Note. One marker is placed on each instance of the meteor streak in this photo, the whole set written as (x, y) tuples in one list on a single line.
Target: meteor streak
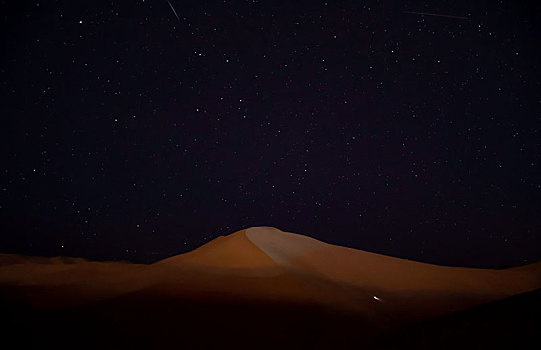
[(434, 14), (172, 8)]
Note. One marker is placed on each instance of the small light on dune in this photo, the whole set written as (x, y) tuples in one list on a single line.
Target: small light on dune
[(376, 298)]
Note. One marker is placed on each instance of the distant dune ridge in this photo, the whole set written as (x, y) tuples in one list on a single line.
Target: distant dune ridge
[(258, 266)]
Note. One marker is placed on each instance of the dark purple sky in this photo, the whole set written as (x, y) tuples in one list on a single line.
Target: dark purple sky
[(130, 134)]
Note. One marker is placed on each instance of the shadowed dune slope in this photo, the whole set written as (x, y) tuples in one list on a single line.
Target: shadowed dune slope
[(358, 267)]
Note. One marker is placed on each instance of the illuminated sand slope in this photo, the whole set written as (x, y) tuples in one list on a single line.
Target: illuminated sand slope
[(256, 276), (352, 279)]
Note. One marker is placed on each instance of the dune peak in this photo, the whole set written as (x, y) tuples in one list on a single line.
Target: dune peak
[(280, 246), (257, 229)]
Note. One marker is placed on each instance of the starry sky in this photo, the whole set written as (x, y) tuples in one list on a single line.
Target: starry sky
[(136, 130)]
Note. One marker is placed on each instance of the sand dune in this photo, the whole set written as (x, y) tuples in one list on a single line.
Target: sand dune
[(263, 252), (234, 251), (263, 265), (361, 268)]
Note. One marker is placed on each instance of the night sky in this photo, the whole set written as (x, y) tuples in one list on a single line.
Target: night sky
[(129, 133)]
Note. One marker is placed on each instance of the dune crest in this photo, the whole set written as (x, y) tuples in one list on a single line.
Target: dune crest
[(283, 247)]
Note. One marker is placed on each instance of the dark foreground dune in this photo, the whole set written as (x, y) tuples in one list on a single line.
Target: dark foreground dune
[(511, 323), (264, 288)]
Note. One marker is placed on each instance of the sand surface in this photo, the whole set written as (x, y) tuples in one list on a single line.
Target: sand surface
[(266, 266)]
